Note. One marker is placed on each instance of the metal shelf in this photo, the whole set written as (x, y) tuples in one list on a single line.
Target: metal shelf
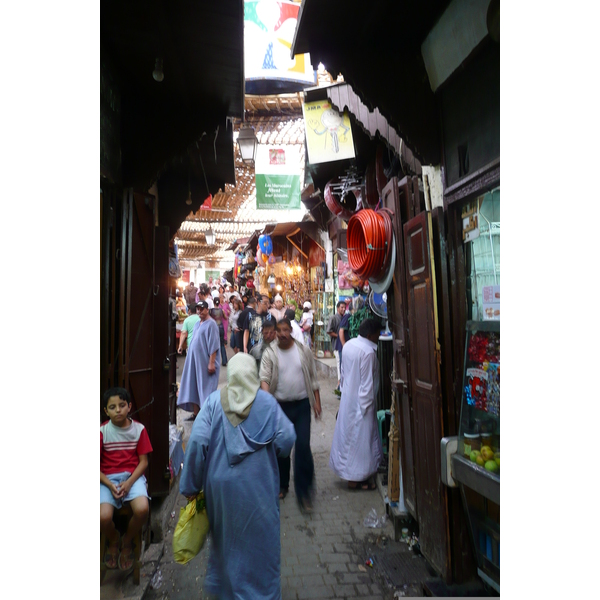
[(483, 482)]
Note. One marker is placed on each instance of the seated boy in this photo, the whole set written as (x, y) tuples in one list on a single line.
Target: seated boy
[(124, 448)]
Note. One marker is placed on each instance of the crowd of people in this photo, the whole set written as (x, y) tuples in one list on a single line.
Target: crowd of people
[(245, 432)]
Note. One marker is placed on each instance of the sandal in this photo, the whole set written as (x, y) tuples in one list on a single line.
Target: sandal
[(354, 485), (111, 559), (126, 558), (306, 505), (283, 493), (368, 484)]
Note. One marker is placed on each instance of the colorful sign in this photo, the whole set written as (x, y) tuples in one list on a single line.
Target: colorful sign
[(491, 302), (269, 28), (328, 134), (343, 268), (277, 171)]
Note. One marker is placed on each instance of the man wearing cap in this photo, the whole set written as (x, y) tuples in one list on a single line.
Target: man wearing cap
[(277, 311), (187, 328), (332, 329), (306, 322), (201, 369)]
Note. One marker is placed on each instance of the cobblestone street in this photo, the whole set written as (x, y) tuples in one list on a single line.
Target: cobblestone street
[(323, 554)]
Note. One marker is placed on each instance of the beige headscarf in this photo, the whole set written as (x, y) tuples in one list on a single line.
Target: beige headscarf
[(242, 387)]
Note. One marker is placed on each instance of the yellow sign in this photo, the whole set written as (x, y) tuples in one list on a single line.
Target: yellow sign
[(328, 134)]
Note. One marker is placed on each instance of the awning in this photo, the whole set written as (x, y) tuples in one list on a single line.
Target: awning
[(377, 48), (309, 228), (236, 243)]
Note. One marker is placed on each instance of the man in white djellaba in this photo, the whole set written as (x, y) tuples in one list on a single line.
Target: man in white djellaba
[(356, 450)]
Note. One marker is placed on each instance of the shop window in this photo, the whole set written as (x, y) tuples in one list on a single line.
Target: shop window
[(483, 260)]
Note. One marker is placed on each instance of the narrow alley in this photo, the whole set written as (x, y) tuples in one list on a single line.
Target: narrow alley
[(323, 554)]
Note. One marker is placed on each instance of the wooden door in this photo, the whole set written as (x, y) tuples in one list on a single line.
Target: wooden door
[(392, 199), (162, 362), (426, 394), (136, 328)]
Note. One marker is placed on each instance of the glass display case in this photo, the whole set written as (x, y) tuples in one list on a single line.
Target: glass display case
[(476, 463), (479, 433), (324, 308)]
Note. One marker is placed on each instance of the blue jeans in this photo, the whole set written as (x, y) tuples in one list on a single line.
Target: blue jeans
[(298, 412), (223, 355)]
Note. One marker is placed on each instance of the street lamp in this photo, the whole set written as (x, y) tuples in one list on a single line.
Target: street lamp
[(247, 143), (211, 238)]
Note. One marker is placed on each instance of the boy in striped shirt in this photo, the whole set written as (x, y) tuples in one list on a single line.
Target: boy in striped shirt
[(124, 448)]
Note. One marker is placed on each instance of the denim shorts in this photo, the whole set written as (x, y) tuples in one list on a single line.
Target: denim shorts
[(139, 488)]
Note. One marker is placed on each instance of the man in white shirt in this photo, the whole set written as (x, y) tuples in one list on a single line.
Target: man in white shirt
[(356, 450), (288, 371)]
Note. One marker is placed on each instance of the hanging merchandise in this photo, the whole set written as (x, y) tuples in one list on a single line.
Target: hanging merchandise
[(370, 244), (174, 268), (260, 258), (295, 282), (342, 200), (382, 286), (361, 312), (354, 280), (265, 244)]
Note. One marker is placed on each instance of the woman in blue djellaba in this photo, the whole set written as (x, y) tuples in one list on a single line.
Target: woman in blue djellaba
[(232, 455)]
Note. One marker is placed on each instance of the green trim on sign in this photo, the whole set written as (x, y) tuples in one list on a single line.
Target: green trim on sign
[(278, 192)]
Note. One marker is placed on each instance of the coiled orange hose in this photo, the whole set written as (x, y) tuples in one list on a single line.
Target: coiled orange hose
[(369, 243)]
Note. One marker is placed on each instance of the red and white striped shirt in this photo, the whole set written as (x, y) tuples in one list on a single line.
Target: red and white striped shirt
[(121, 447)]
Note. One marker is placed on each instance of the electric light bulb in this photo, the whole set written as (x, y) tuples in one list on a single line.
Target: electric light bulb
[(158, 70)]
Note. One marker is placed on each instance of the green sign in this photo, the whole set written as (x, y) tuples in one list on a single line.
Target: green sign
[(215, 276), (277, 191)]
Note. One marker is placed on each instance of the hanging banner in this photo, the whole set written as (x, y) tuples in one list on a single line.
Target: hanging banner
[(269, 28), (277, 170), (328, 134)]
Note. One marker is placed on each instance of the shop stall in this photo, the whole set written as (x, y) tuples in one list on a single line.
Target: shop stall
[(472, 459)]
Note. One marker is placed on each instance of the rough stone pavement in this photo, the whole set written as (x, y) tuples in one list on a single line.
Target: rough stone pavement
[(323, 554)]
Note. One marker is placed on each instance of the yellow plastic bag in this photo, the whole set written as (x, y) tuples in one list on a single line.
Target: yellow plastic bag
[(191, 530)]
